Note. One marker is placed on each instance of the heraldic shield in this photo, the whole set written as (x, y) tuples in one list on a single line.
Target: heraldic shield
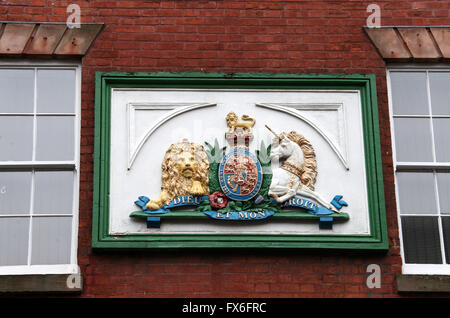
[(276, 182), (240, 175)]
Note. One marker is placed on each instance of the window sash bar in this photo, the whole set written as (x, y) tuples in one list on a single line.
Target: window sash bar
[(405, 166), (421, 116), (438, 205), (38, 165), (37, 215), (435, 214), (41, 114)]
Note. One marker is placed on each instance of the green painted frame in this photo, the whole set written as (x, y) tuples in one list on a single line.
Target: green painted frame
[(377, 240)]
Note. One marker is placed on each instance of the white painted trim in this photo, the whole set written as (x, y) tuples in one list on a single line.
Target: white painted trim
[(74, 165), (430, 111), (394, 160), (39, 269), (131, 89), (34, 215), (421, 116), (77, 154), (291, 110), (418, 269), (421, 165), (425, 269), (435, 214), (436, 190), (177, 109), (30, 218), (412, 67), (41, 114), (31, 63), (39, 164)]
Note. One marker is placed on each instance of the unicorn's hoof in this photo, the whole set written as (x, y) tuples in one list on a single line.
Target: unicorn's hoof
[(337, 202), (332, 208), (274, 196)]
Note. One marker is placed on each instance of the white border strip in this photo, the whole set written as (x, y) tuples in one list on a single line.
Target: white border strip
[(425, 269), (39, 269)]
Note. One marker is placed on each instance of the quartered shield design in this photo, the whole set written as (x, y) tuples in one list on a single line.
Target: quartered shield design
[(240, 175)]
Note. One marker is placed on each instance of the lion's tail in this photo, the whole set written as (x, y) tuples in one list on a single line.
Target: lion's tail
[(247, 117)]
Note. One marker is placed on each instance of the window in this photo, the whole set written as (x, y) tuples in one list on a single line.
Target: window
[(420, 121), (39, 160)]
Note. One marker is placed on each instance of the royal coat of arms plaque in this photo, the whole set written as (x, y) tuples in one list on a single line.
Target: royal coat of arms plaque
[(242, 160), (239, 185)]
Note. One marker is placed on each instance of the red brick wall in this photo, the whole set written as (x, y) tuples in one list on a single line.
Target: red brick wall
[(232, 36)]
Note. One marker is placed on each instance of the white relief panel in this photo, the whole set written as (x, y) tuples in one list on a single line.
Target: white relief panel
[(145, 122), (326, 119), (145, 118)]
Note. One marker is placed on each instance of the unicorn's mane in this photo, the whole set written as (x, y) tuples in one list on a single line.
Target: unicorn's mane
[(309, 174)]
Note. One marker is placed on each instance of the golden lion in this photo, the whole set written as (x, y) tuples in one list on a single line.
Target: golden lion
[(185, 170), (233, 122)]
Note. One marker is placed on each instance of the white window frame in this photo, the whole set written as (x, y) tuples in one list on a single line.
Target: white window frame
[(418, 269), (73, 267)]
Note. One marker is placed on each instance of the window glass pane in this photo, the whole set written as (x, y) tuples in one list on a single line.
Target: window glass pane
[(53, 192), (16, 91), (51, 240), (409, 93), (421, 241), (440, 92), (443, 181), (446, 229), (16, 138), (413, 139), (56, 91), (55, 138), (416, 192), (441, 128), (15, 192), (14, 241)]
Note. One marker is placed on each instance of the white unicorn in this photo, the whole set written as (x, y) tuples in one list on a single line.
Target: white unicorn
[(297, 168)]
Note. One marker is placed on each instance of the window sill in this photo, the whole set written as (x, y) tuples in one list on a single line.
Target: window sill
[(423, 283), (52, 283)]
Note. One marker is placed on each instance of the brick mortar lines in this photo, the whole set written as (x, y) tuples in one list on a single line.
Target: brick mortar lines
[(342, 47)]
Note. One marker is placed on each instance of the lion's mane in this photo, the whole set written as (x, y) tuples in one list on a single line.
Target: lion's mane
[(232, 119), (172, 181)]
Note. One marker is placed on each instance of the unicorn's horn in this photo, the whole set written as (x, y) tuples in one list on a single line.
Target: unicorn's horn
[(270, 129)]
